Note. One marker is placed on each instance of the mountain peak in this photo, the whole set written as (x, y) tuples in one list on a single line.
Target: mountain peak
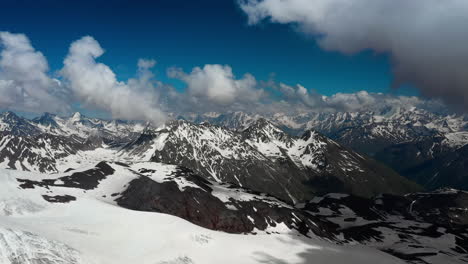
[(264, 130), (76, 117), (263, 123), (16, 124), (9, 115), (47, 119)]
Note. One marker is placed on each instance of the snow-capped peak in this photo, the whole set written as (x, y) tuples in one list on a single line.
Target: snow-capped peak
[(76, 117)]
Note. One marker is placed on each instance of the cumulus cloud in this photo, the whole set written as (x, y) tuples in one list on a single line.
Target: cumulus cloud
[(298, 94), (213, 87), (24, 83), (426, 39), (95, 84), (217, 84)]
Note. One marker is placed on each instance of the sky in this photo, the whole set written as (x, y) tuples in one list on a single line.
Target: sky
[(293, 50), (191, 33)]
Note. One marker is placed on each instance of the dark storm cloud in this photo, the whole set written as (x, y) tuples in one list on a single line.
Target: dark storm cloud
[(426, 39)]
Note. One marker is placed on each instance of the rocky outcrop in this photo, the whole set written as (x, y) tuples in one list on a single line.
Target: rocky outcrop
[(201, 204)]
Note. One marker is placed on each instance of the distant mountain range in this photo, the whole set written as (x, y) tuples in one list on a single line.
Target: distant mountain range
[(262, 157), (37, 145), (413, 142), (408, 140)]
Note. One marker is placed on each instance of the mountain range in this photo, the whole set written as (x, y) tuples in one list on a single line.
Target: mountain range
[(81, 190), (261, 157), (409, 140)]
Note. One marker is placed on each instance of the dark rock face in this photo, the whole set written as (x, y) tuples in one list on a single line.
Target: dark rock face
[(429, 163), (415, 227), (445, 207), (406, 156), (200, 206), (361, 138), (450, 170), (47, 119), (369, 179), (59, 198), (86, 180)]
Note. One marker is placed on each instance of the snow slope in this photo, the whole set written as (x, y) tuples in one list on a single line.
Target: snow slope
[(93, 229)]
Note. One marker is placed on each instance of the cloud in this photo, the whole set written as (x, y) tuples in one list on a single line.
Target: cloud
[(146, 63), (26, 86), (217, 84), (298, 94), (95, 85), (24, 83), (214, 88), (426, 39), (296, 99)]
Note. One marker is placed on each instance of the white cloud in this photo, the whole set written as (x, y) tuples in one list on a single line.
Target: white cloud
[(217, 84), (298, 94), (426, 39), (146, 63), (24, 83), (26, 86), (270, 97), (298, 99), (95, 84)]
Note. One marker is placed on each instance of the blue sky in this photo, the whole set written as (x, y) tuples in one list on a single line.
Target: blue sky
[(192, 33)]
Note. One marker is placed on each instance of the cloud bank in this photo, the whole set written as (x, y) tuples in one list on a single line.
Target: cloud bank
[(426, 39), (26, 85), (297, 99)]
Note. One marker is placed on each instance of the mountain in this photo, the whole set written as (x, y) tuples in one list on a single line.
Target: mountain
[(107, 191), (112, 132), (443, 170), (12, 124), (84, 217), (77, 217), (405, 139), (25, 146), (433, 162), (266, 159), (50, 143), (262, 157), (418, 227), (234, 120), (40, 144), (364, 131), (370, 132)]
